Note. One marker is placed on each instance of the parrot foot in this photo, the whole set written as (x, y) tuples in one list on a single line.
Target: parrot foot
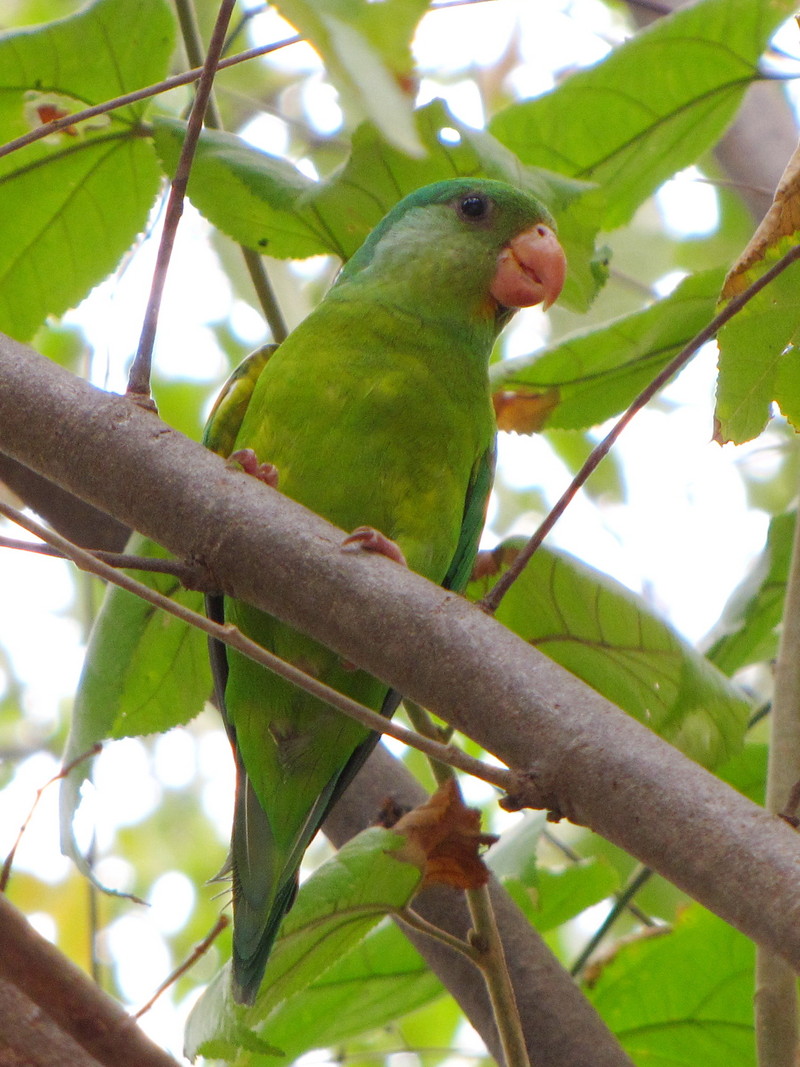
[(248, 461), (372, 540)]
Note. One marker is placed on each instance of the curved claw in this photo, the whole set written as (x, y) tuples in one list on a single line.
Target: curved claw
[(372, 540), (248, 461)]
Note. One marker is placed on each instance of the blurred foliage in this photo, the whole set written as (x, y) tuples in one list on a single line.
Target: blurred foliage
[(341, 136)]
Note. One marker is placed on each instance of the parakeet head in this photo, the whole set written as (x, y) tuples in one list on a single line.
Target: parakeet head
[(478, 244)]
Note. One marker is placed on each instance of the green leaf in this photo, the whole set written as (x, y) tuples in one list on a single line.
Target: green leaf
[(367, 53), (376, 983), (145, 671), (580, 382), (747, 772), (549, 897), (652, 107), (561, 895), (607, 636), (335, 910), (514, 855), (682, 998), (748, 630), (71, 208), (754, 368), (266, 204), (183, 403)]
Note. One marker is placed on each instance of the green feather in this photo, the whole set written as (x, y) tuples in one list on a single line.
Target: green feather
[(376, 411)]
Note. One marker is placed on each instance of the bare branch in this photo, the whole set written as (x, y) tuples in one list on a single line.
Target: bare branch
[(139, 377)]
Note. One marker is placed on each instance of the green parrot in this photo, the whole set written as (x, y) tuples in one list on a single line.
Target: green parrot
[(376, 414)]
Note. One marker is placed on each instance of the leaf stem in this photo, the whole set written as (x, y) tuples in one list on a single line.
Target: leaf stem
[(424, 725), (266, 295), (417, 922), (492, 962), (487, 946)]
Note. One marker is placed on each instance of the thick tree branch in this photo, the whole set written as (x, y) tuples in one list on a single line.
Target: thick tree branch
[(586, 759), (30, 1038), (69, 1000), (72, 517)]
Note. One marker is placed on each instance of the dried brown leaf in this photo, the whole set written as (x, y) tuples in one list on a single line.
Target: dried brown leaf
[(525, 410), (443, 838), (780, 222)]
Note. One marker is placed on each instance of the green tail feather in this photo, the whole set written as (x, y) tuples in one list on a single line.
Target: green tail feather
[(258, 907)]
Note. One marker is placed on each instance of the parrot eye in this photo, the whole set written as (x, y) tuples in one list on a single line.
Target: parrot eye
[(473, 207)]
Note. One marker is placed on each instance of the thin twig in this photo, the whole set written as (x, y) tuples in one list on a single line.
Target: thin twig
[(174, 82), (500, 777), (190, 575), (623, 900), (5, 871), (139, 378), (193, 42), (491, 601), (199, 950)]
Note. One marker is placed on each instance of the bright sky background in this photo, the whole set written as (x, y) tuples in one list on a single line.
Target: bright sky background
[(684, 536)]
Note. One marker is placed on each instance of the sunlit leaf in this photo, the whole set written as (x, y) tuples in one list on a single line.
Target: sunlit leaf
[(747, 771), (682, 998), (585, 379), (367, 54), (652, 107), (548, 896), (561, 895), (514, 855), (756, 364), (71, 208), (376, 983), (780, 222), (748, 630), (266, 204), (336, 909), (145, 671), (607, 636)]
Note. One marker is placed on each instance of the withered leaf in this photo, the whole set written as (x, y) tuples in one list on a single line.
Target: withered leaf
[(524, 410), (443, 837), (782, 221)]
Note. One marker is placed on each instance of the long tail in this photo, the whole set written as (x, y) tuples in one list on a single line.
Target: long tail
[(259, 905), (264, 875)]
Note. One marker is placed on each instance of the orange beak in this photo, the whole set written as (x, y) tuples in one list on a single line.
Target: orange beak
[(530, 270)]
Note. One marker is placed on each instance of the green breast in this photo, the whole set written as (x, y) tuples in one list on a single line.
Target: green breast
[(383, 425)]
